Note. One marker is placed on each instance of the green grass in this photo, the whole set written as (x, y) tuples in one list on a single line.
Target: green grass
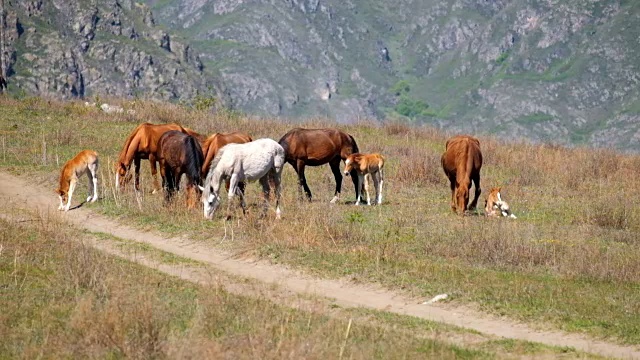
[(569, 261)]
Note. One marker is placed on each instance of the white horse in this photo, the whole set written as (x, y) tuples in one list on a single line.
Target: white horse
[(261, 159)]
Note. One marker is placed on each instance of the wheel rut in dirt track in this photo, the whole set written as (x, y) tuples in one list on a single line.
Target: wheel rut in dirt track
[(345, 294)]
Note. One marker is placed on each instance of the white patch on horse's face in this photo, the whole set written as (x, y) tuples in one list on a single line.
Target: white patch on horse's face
[(499, 197), (211, 203), (347, 166)]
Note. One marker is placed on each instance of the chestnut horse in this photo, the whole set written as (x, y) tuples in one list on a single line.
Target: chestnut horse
[(180, 153), (142, 144), (461, 162), (315, 147), (215, 142)]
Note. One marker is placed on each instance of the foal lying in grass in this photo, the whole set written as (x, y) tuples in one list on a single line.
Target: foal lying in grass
[(495, 206), (366, 166)]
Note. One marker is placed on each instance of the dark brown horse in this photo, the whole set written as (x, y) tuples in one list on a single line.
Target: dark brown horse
[(461, 162), (141, 144), (179, 153), (315, 147)]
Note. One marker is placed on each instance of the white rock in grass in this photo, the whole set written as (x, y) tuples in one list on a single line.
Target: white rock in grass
[(436, 298)]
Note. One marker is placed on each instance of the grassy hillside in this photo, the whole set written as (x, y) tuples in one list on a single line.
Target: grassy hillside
[(571, 260)]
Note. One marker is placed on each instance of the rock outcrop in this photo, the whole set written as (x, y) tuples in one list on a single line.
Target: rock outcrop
[(75, 49)]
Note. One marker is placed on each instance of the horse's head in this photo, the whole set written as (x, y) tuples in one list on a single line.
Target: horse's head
[(210, 199), (350, 163), (122, 177), (62, 195), (462, 198)]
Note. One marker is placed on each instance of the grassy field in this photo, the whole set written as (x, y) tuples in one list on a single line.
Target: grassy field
[(62, 299), (571, 260)]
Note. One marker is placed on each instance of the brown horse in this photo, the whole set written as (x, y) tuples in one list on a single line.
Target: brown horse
[(201, 138), (461, 162), (141, 144), (315, 147), (180, 153), (215, 142)]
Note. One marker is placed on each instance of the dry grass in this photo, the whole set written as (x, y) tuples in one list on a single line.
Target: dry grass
[(62, 299), (572, 258)]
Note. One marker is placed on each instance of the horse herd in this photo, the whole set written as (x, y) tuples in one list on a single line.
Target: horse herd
[(236, 159)]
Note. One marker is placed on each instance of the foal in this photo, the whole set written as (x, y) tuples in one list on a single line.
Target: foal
[(86, 162), (366, 166), (495, 206)]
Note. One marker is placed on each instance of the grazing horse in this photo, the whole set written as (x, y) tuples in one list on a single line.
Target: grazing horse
[(315, 147), (142, 143), (495, 206), (367, 166), (461, 162), (179, 153), (86, 162), (262, 159), (215, 142)]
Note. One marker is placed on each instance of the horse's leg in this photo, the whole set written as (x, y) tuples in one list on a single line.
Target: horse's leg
[(190, 189), (302, 180), (266, 189), (233, 184), (136, 169), (277, 181), (358, 184), (72, 187), (452, 183), (335, 168), (241, 186), (476, 183), (379, 182), (168, 183), (154, 174), (93, 182)]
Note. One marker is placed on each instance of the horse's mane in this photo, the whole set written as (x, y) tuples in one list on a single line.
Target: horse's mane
[(355, 145), (127, 143), (194, 159), (215, 161)]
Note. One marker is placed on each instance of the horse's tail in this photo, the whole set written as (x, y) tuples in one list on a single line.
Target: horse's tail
[(195, 159), (354, 145), (284, 142)]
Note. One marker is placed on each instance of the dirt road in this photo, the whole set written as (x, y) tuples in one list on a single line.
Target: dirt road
[(343, 293)]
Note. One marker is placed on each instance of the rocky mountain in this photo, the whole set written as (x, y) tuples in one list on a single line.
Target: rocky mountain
[(86, 48), (562, 71), (565, 71)]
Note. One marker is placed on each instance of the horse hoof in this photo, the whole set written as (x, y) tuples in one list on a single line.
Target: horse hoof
[(334, 200)]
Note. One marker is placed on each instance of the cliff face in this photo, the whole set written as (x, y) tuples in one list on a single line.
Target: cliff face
[(85, 48), (549, 70)]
